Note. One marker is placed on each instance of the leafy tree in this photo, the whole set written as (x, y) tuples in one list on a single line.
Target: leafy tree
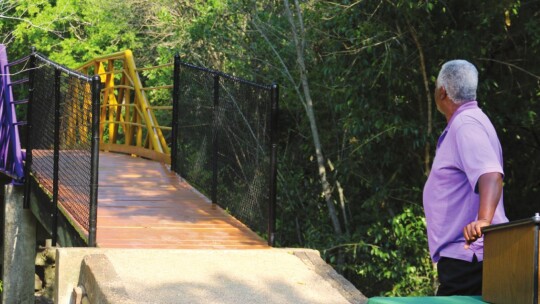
[(68, 31)]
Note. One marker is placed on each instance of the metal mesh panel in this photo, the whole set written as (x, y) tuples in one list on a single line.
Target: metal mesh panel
[(228, 122), (195, 128), (74, 130), (42, 117), (74, 175), (244, 151)]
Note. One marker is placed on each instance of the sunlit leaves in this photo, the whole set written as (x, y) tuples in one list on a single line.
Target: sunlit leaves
[(70, 31)]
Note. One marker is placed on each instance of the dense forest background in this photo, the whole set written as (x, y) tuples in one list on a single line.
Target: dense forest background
[(358, 125)]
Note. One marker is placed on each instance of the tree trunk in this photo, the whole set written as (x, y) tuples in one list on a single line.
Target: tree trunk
[(427, 150), (299, 42)]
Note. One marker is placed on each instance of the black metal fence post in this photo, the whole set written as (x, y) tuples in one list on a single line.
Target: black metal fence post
[(96, 90), (56, 155), (273, 166), (28, 159), (174, 131), (215, 134)]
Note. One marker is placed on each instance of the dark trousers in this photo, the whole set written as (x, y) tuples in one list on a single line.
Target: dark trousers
[(458, 277)]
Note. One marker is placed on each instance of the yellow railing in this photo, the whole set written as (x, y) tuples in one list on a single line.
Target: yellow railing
[(128, 123)]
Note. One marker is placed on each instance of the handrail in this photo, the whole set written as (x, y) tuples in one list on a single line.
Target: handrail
[(126, 113), (11, 156)]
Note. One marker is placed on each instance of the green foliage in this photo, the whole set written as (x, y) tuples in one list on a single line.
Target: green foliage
[(394, 255), (365, 69), (69, 31)]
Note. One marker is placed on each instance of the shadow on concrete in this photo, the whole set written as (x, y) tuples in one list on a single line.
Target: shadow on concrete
[(226, 289)]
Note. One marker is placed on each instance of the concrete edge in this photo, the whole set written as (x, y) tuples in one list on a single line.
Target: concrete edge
[(68, 266), (68, 271), (312, 259), (101, 282)]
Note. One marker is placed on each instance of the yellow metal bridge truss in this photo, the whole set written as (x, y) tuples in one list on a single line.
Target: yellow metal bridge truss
[(128, 121)]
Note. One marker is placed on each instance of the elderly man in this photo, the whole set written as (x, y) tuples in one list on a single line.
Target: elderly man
[(463, 192)]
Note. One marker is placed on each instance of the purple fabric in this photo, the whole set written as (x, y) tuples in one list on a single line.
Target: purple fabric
[(467, 148)]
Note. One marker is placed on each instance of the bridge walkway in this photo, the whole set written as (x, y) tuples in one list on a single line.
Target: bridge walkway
[(155, 234), (142, 204)]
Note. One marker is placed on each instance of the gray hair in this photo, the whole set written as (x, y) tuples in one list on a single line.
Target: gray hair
[(460, 80)]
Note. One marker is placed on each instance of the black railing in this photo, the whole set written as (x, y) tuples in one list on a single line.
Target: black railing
[(62, 146), (224, 142)]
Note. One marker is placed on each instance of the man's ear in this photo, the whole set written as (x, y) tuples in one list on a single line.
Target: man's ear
[(442, 93)]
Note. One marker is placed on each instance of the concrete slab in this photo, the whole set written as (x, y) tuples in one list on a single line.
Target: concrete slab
[(210, 276)]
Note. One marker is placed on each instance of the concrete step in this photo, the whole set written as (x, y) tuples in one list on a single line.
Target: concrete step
[(199, 276)]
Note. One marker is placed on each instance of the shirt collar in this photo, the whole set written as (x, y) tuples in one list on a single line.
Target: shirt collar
[(466, 106)]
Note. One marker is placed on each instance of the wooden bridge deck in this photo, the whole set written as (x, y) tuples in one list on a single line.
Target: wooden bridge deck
[(141, 204)]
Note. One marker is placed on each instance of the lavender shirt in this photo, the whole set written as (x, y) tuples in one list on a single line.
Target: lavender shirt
[(468, 148)]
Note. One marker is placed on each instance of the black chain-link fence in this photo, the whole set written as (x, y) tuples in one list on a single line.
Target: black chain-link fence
[(62, 148), (223, 142)]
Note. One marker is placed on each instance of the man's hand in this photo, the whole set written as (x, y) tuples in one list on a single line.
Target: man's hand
[(490, 190), (473, 231)]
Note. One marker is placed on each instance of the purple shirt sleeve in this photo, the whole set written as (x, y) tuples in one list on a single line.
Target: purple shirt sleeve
[(476, 155)]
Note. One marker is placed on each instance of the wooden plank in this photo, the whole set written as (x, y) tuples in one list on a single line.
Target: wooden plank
[(508, 275), (137, 151), (207, 246), (141, 204)]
